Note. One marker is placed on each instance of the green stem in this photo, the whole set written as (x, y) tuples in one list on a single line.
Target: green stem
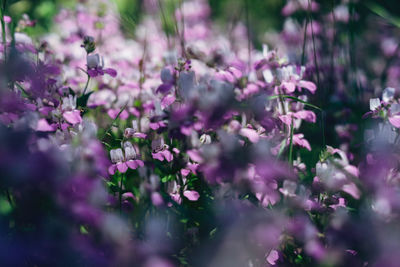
[(120, 193), (87, 85), (248, 34), (165, 24), (3, 29), (291, 144), (22, 90), (303, 53), (116, 118)]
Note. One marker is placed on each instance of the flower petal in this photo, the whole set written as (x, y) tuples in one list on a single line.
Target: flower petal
[(111, 72), (111, 169), (92, 73), (44, 126), (73, 117), (273, 256), (158, 156), (352, 190), (122, 167), (395, 121), (132, 164), (185, 172), (139, 163), (251, 134), (310, 86), (164, 88), (168, 155), (140, 135), (191, 195), (289, 87), (194, 155), (306, 115)]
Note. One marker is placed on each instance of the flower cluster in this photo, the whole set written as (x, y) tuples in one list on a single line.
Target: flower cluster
[(201, 143)]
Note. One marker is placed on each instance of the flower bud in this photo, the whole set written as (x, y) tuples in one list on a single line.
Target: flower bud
[(93, 61), (129, 132), (205, 139), (89, 44)]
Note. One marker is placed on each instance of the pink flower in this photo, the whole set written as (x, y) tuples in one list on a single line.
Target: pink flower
[(113, 113), (272, 257), (69, 111), (191, 195), (251, 134), (292, 77), (306, 115), (73, 117), (44, 126), (298, 139), (160, 150), (122, 162)]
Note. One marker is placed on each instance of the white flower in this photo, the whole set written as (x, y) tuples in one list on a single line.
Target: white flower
[(158, 145), (130, 152), (268, 77), (374, 103), (289, 188), (382, 207), (205, 139), (22, 38), (69, 103), (388, 94), (116, 155)]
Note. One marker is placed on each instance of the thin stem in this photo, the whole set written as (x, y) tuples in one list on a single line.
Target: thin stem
[(87, 84), (178, 33), (112, 124), (313, 41), (303, 53), (248, 34), (396, 139), (3, 29), (332, 74), (9, 198), (164, 22), (323, 129), (183, 28), (387, 66), (120, 193), (22, 89), (291, 144), (142, 62)]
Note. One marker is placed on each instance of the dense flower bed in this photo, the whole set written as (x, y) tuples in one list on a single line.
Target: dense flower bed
[(191, 149)]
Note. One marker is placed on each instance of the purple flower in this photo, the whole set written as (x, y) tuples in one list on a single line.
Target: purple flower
[(95, 66)]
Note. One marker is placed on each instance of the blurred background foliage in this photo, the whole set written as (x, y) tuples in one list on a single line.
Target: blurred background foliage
[(263, 15), (42, 11)]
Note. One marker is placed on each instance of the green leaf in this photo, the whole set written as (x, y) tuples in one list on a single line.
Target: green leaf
[(382, 12), (213, 231), (83, 230), (296, 99), (5, 206), (167, 178), (82, 100)]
